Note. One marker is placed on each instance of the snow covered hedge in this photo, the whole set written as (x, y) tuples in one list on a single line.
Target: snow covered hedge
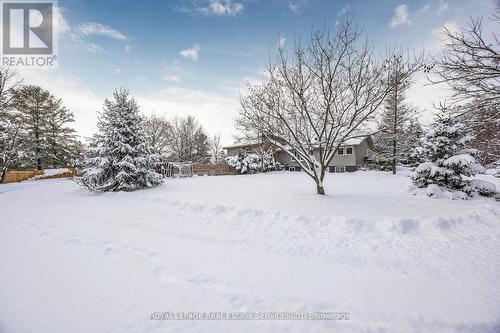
[(448, 162), (252, 163)]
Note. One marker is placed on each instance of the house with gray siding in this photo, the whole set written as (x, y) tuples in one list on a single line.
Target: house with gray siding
[(349, 157)]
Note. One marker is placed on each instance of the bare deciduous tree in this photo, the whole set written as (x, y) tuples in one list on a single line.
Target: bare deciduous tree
[(470, 64), (216, 149), (318, 98), (158, 131), (189, 141)]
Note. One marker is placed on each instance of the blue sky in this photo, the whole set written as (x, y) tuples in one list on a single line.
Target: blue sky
[(194, 56)]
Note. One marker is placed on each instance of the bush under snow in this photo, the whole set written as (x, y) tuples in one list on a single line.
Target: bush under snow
[(252, 163)]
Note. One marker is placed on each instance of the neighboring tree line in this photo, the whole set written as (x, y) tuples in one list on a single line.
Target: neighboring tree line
[(124, 153), (35, 130), (182, 140)]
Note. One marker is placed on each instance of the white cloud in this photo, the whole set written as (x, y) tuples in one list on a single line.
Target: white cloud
[(94, 28), (170, 77), (295, 7), (191, 52), (343, 11), (72, 92), (83, 44), (440, 33), (60, 23), (281, 42), (442, 7), (216, 113), (401, 16), (81, 34), (436, 8), (424, 9), (425, 97), (216, 8)]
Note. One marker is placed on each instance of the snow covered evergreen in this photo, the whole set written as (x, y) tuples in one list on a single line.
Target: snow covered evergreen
[(119, 158), (447, 161), (252, 163)]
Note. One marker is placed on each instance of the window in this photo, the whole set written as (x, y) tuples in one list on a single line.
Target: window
[(348, 151), (297, 156), (340, 169), (291, 169), (340, 151)]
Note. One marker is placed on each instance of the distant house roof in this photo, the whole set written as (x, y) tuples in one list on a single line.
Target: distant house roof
[(250, 143), (355, 141), (349, 142)]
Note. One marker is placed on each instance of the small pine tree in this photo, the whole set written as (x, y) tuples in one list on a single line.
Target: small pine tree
[(447, 160), (119, 159)]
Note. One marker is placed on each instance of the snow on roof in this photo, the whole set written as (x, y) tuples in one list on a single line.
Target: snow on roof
[(348, 142), (354, 141), (243, 144)]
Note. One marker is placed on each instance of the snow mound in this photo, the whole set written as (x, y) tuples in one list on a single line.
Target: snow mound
[(436, 191), (482, 187), (54, 172), (50, 173)]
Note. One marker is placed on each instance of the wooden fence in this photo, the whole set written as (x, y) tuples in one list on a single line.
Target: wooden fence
[(67, 174), (175, 170), (13, 176), (19, 176), (188, 169), (218, 169)]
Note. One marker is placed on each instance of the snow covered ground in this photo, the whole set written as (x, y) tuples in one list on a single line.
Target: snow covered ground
[(74, 261)]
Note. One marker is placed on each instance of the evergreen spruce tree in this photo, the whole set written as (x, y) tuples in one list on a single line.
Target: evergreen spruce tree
[(412, 135), (46, 139), (447, 160), (119, 158), (62, 145), (32, 103)]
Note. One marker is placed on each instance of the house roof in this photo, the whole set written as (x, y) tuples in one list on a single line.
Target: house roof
[(243, 145), (354, 141), (349, 142)]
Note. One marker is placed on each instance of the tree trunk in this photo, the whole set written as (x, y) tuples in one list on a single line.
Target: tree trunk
[(319, 188), (395, 129), (3, 172), (394, 157)]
